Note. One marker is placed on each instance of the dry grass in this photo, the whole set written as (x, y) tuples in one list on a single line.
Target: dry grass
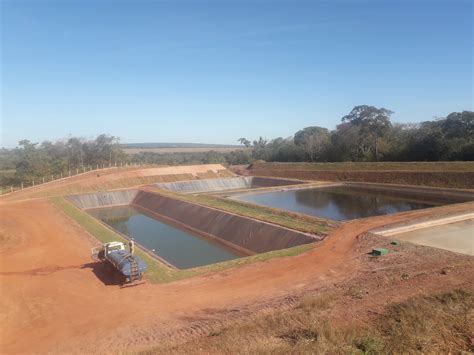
[(440, 323), (432, 324)]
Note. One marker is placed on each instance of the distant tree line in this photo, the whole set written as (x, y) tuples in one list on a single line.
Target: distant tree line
[(367, 134), (364, 134), (33, 161), (236, 157)]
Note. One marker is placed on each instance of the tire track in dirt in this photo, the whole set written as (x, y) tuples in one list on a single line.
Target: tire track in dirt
[(43, 271)]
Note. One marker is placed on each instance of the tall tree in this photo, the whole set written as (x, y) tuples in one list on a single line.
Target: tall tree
[(345, 143), (315, 141), (245, 142), (373, 122), (459, 125)]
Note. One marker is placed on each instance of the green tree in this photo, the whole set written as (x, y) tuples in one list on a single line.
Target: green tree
[(32, 161), (245, 142), (459, 125), (315, 141), (345, 143), (373, 122)]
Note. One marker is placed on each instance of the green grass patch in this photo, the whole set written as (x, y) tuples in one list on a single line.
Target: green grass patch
[(296, 221), (158, 272)]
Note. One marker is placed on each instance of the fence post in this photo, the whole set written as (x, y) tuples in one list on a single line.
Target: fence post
[(52, 177), (33, 182), (22, 185), (77, 171)]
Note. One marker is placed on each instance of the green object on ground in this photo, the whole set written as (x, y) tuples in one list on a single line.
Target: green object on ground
[(395, 242), (380, 251)]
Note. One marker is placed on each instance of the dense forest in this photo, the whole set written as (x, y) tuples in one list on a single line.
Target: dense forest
[(364, 134), (367, 134)]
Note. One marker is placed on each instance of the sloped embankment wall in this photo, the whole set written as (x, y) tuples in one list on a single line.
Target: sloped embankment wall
[(449, 179), (256, 236), (103, 199), (232, 183)]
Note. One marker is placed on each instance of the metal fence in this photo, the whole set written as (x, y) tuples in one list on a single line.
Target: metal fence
[(44, 180)]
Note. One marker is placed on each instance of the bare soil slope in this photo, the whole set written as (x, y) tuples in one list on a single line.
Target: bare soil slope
[(436, 174), (116, 178)]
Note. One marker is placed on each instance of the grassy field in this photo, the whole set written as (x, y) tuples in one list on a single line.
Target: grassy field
[(157, 271), (369, 166), (427, 324), (286, 219)]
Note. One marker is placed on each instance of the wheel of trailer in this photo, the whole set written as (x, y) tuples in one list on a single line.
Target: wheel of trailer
[(101, 254)]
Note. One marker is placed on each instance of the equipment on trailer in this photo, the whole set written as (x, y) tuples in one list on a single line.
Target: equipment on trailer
[(128, 264)]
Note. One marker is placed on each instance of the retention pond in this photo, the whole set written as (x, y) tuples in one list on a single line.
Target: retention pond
[(184, 234), (174, 245), (343, 202)]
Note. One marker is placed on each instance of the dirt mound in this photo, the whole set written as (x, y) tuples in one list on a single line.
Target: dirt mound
[(117, 178)]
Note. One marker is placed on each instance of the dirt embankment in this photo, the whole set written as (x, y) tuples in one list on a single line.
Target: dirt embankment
[(448, 179), (117, 178)]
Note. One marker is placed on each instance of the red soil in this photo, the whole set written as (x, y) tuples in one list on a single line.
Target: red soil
[(55, 299), (449, 179)]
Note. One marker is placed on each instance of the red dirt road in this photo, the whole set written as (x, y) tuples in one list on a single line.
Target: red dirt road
[(53, 298)]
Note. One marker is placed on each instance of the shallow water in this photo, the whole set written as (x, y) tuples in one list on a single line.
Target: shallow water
[(179, 248), (337, 203)]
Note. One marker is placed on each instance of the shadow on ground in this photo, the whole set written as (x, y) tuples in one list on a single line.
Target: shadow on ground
[(105, 273)]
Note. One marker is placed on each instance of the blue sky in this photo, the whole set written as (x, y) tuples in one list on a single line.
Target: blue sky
[(215, 71)]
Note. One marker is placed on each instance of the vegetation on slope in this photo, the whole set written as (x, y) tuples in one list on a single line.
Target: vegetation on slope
[(426, 324)]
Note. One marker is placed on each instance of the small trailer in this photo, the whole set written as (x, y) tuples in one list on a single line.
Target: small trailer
[(125, 261)]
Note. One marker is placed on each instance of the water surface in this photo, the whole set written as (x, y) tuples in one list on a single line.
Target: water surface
[(179, 248), (337, 203)]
